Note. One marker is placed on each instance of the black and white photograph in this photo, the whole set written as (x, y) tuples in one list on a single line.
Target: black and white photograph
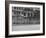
[(25, 19)]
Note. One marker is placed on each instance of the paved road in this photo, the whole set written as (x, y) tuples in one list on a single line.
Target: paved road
[(25, 27)]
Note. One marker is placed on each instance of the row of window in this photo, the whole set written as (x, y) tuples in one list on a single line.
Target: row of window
[(21, 8), (26, 13), (23, 13), (24, 8)]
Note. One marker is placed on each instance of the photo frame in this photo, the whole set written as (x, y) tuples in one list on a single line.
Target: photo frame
[(24, 18)]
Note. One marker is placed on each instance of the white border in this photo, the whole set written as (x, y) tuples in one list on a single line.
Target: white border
[(25, 32)]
